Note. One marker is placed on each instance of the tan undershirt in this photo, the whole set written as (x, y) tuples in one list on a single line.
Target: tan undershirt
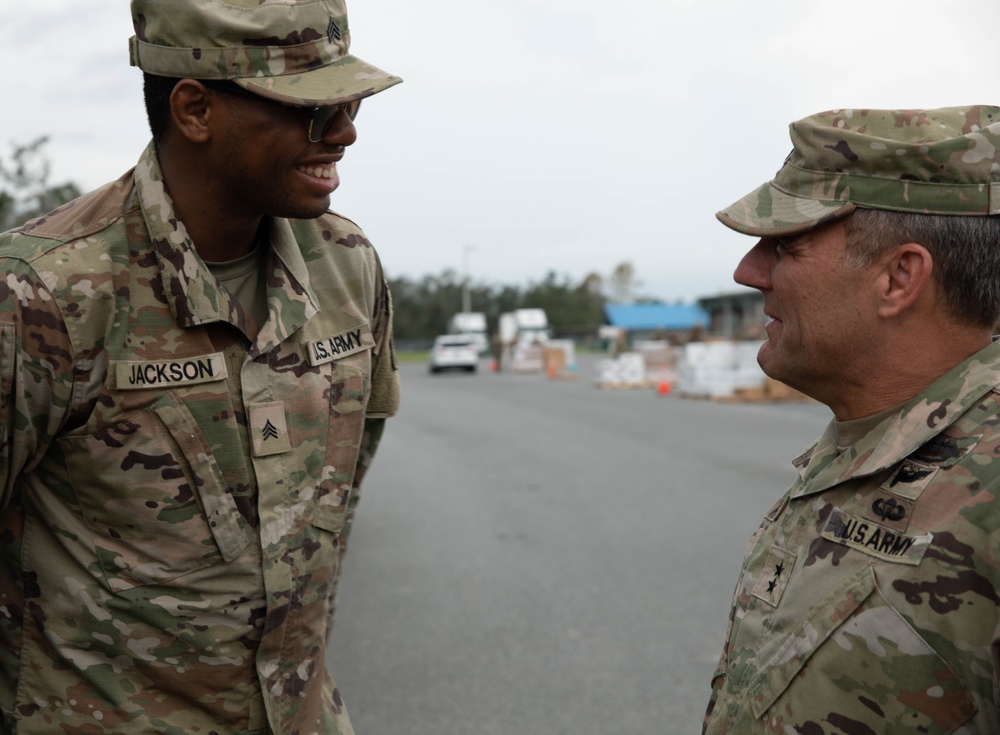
[(243, 278), (850, 432)]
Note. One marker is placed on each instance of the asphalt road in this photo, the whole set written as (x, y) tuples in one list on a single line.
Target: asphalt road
[(545, 557)]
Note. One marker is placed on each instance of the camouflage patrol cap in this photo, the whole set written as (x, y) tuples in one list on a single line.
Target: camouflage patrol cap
[(292, 51), (944, 161)]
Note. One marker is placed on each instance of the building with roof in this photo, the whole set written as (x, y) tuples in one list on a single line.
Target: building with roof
[(735, 314)]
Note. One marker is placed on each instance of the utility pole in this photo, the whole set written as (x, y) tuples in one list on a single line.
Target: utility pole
[(466, 299)]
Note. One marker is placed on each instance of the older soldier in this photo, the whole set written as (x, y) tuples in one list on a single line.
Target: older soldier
[(195, 367), (868, 600)]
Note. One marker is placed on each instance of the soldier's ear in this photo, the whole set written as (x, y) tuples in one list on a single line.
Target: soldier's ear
[(191, 110), (906, 275)]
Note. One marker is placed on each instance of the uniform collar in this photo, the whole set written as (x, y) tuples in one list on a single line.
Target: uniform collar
[(291, 300), (192, 292), (898, 435)]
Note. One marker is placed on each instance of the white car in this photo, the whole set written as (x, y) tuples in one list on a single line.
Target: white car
[(454, 352)]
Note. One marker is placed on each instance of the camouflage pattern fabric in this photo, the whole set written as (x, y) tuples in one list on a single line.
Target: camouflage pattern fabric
[(941, 161), (176, 484), (868, 600)]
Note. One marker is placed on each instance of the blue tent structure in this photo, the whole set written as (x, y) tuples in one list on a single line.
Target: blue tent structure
[(648, 319)]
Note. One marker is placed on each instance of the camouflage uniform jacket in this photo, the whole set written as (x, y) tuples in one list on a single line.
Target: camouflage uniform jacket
[(869, 600), (174, 492)]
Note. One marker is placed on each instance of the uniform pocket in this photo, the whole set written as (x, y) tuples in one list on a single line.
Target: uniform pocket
[(348, 388), (854, 659), (330, 518), (153, 497), (345, 424)]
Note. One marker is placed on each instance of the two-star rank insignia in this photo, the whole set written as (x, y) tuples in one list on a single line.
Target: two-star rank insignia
[(773, 584), (773, 577)]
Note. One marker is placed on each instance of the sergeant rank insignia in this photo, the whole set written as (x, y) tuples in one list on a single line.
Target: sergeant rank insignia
[(268, 431)]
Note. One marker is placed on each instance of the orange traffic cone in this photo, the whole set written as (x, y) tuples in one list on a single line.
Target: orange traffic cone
[(663, 389)]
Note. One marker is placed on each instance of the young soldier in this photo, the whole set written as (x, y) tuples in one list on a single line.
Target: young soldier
[(195, 367)]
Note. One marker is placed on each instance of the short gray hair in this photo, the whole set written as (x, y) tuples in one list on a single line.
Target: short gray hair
[(965, 250)]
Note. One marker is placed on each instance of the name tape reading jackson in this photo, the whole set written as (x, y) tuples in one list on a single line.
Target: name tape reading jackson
[(875, 540), (340, 345), (143, 375)]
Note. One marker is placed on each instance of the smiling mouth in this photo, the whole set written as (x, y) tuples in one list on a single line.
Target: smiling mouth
[(327, 171), (772, 323)]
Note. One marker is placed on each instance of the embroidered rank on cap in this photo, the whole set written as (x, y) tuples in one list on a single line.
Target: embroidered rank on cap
[(143, 375), (268, 430), (333, 31), (340, 345), (876, 540), (774, 577)]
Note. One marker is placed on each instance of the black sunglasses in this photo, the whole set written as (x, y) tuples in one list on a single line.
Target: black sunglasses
[(320, 118)]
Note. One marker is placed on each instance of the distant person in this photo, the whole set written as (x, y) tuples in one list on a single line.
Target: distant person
[(620, 344), (496, 347), (196, 364), (869, 600)]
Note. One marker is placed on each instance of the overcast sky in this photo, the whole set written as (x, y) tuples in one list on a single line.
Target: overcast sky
[(543, 135)]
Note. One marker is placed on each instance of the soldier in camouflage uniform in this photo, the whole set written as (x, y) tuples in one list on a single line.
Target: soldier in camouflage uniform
[(869, 599), (196, 364)]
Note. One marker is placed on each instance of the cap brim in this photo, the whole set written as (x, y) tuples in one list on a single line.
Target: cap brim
[(768, 211), (344, 80)]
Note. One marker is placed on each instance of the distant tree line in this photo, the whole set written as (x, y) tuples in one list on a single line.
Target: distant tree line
[(575, 308), (25, 191), (424, 306)]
